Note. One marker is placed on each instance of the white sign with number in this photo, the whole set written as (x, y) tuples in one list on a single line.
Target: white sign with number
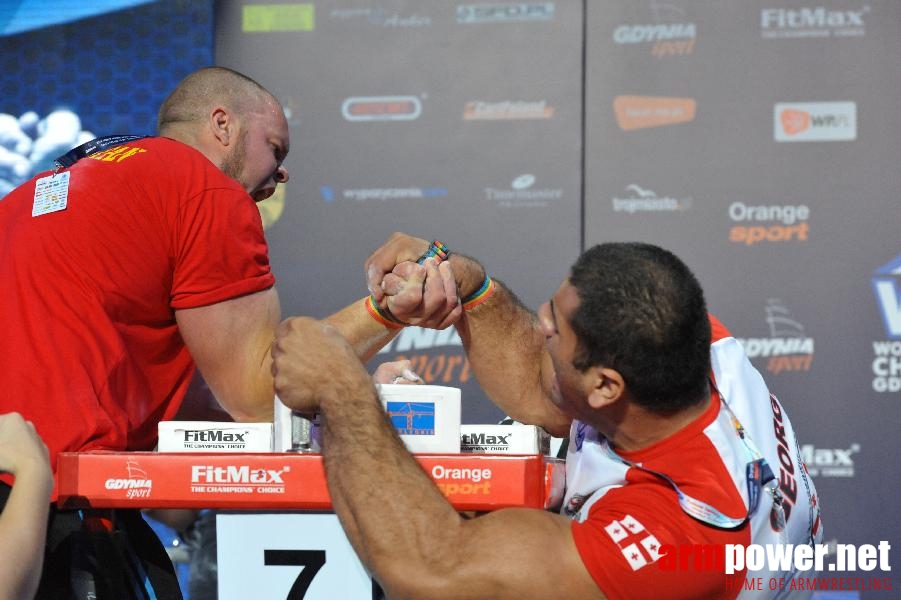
[(293, 556)]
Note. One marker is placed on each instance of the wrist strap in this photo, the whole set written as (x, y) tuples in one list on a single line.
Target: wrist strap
[(485, 291), (437, 250), (382, 316)]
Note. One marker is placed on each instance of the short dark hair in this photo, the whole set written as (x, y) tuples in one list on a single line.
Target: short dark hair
[(642, 312)]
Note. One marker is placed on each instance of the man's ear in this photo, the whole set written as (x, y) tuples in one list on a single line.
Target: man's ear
[(607, 387), (221, 125)]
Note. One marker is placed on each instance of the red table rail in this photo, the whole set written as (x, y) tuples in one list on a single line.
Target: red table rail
[(475, 482)]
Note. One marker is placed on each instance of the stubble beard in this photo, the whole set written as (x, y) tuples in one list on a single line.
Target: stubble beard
[(233, 164)]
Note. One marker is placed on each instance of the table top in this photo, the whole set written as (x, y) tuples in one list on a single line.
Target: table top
[(471, 482)]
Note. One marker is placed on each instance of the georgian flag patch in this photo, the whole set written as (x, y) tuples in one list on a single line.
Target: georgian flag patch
[(639, 547)]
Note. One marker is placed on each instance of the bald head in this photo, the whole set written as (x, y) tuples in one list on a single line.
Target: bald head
[(199, 92), (233, 121)]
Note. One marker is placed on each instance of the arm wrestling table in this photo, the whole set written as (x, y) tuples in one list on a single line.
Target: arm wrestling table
[(259, 553)]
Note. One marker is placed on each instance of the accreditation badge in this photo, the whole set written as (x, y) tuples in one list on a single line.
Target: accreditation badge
[(51, 194)]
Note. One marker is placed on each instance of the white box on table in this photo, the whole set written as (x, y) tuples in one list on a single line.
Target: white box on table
[(214, 436), (503, 439)]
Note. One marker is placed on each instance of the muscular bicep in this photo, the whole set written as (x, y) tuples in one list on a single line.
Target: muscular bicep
[(516, 554), (230, 343), (533, 555)]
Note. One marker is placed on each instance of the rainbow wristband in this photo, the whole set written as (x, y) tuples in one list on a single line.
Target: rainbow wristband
[(383, 317), (480, 295), (437, 250)]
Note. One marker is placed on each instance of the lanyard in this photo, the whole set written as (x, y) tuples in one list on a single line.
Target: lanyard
[(88, 148), (758, 476)]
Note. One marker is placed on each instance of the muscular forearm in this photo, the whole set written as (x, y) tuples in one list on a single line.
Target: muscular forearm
[(412, 539), (317, 370), (392, 532), (365, 335), (406, 533), (230, 342), (505, 347), (253, 402)]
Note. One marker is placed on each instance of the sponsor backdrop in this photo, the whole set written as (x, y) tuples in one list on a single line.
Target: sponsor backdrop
[(757, 140)]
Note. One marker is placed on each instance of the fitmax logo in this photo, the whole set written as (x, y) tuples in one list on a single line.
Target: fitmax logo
[(215, 435), (235, 474), (829, 462), (482, 439), (888, 296)]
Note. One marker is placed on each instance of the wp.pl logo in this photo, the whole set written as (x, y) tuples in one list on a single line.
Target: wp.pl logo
[(815, 121)]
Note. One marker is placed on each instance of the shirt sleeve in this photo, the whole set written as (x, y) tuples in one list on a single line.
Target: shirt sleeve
[(220, 250), (623, 541), (718, 331)]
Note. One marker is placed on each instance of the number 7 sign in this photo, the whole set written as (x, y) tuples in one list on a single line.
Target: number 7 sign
[(291, 556)]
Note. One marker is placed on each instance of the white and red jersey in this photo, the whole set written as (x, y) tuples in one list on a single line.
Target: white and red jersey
[(623, 514)]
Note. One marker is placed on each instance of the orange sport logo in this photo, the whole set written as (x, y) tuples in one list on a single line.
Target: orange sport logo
[(768, 223)]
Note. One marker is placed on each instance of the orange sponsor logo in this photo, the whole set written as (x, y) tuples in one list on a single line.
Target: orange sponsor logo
[(465, 489), (752, 234), (794, 121), (640, 112), (777, 364)]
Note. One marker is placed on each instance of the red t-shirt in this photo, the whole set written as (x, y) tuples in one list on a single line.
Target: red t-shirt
[(90, 350)]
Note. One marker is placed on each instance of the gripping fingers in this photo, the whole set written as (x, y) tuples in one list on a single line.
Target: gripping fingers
[(306, 353), (397, 249), (392, 284), (439, 300), (451, 295), (404, 290)]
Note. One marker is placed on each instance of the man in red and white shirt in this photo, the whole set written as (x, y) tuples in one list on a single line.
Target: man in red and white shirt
[(623, 507), (675, 441)]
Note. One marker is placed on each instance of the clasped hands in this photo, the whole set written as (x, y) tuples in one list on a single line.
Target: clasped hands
[(312, 361), (415, 294)]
